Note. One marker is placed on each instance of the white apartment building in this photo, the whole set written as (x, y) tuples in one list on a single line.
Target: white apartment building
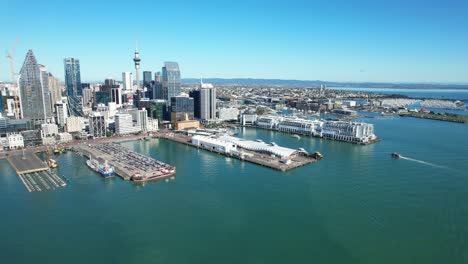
[(74, 124), (124, 124), (62, 113)]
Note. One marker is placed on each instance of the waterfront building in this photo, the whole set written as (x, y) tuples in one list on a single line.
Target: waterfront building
[(32, 137), (355, 132), (74, 124), (61, 111), (124, 124), (215, 144), (14, 141), (73, 85), (248, 119), (187, 124), (49, 130), (181, 109), (140, 118), (97, 125), (153, 125), (127, 81), (34, 92), (171, 81), (228, 114)]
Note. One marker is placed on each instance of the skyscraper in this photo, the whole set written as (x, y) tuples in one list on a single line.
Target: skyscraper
[(207, 101), (62, 113), (73, 85), (147, 78), (54, 88), (33, 103), (127, 80), (171, 81)]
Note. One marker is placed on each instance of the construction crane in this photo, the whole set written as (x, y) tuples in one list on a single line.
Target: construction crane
[(10, 56)]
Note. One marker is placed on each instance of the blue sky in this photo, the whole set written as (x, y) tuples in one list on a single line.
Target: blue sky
[(389, 41)]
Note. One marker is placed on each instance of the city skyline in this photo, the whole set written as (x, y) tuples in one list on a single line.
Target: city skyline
[(363, 42)]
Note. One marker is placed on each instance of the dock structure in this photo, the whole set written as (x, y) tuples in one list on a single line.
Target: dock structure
[(34, 173), (126, 162), (233, 149), (27, 162)]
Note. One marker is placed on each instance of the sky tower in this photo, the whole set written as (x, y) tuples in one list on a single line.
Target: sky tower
[(137, 60)]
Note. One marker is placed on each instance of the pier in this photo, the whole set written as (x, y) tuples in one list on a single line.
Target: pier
[(34, 173), (126, 162), (263, 159)]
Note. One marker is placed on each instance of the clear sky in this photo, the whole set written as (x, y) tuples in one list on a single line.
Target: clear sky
[(390, 41)]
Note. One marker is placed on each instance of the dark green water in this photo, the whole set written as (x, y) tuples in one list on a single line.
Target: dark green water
[(357, 205)]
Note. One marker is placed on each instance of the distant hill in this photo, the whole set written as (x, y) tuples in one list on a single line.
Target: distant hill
[(317, 83)]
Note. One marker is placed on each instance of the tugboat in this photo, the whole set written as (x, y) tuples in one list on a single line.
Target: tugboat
[(317, 155), (105, 169), (396, 155)]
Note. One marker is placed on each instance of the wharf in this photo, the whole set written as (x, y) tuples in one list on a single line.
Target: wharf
[(34, 173), (27, 163), (252, 157), (126, 163)]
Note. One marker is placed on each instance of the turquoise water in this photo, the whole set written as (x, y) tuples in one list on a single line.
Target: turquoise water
[(357, 205)]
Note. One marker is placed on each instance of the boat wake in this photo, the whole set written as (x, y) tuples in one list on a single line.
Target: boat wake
[(423, 162)]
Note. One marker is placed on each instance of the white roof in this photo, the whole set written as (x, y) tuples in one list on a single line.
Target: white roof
[(260, 146)]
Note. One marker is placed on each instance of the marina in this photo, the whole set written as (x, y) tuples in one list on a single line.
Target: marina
[(127, 164)]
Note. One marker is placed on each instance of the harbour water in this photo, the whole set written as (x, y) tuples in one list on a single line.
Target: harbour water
[(357, 205)]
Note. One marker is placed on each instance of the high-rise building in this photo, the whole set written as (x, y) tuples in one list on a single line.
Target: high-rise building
[(2, 107), (127, 80), (207, 101), (61, 110), (195, 94), (97, 125), (32, 90), (181, 109), (48, 103), (116, 96), (73, 85), (88, 97), (137, 61), (142, 120), (55, 89), (147, 78), (171, 81)]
